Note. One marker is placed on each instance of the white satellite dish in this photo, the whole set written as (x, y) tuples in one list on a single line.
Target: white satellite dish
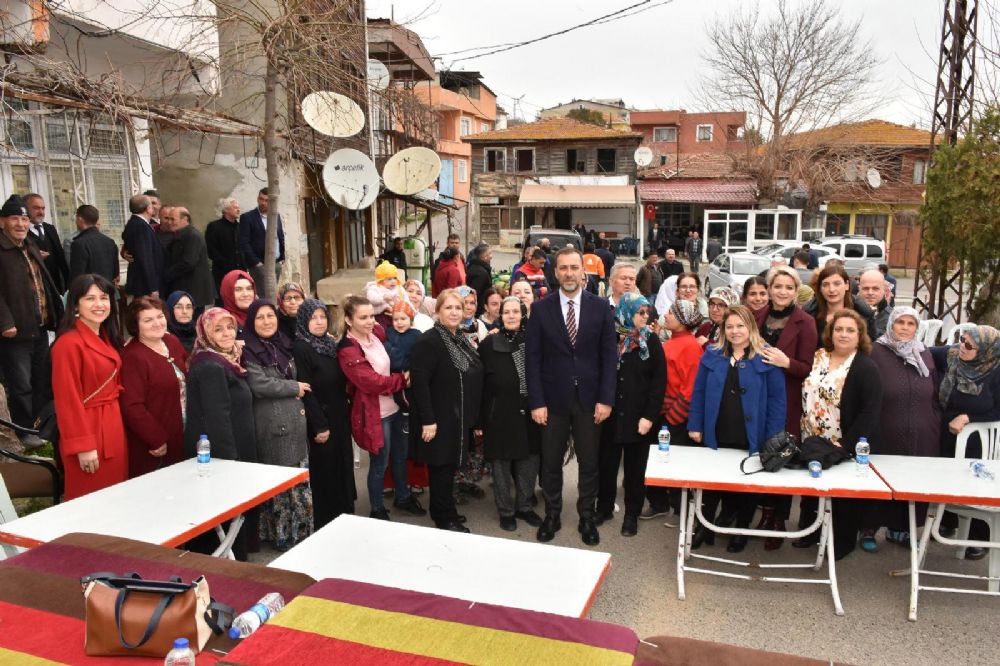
[(351, 179), (643, 156), (333, 114), (874, 178), (378, 75), (411, 170)]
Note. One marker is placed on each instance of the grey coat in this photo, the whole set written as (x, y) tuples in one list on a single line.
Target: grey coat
[(279, 416)]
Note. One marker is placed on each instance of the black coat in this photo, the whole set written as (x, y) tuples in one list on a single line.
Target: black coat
[(19, 305), (979, 408), (479, 276), (56, 261), (222, 238), (145, 273), (509, 431), (187, 267), (861, 404), (453, 403), (93, 252), (220, 405), (639, 395), (253, 234)]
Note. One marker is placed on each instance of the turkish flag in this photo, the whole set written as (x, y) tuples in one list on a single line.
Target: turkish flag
[(650, 211)]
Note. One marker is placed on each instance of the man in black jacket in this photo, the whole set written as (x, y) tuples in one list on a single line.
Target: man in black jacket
[(670, 266), (91, 251), (222, 237), (46, 237), (395, 255), (187, 261), (253, 232), (479, 273), (145, 271)]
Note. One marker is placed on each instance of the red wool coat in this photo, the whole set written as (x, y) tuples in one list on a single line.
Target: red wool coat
[(81, 364), (151, 404), (364, 386), (447, 276)]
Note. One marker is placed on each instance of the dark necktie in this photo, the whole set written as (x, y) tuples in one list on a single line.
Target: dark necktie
[(39, 231), (571, 323)]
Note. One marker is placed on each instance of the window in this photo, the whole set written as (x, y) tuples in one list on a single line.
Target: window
[(665, 134), (837, 225), (576, 161), (854, 251), (463, 171), (703, 133), (20, 178), (17, 127), (919, 172), (106, 142), (606, 160), (484, 127), (495, 160), (871, 225), (108, 187), (735, 132), (524, 158), (465, 127)]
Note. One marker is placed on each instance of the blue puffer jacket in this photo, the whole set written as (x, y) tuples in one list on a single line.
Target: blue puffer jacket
[(763, 400)]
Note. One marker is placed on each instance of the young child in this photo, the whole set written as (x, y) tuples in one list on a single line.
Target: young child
[(384, 292), (399, 340)]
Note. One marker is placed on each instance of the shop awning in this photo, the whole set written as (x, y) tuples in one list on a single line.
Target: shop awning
[(742, 192), (534, 195)]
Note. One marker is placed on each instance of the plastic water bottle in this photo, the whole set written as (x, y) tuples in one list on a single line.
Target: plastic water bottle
[(181, 655), (861, 452), (981, 471), (815, 469), (249, 621), (204, 456), (663, 439)]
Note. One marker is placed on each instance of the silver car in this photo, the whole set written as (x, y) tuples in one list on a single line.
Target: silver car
[(733, 268)]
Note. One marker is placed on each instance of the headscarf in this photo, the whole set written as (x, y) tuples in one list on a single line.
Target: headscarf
[(423, 307), (386, 271), (727, 295), (515, 342), (188, 330), (324, 345), (469, 323), (272, 352), (285, 288), (524, 317), (631, 337), (804, 295), (687, 313), (908, 350), (205, 348), (404, 305), (968, 376), (227, 290)]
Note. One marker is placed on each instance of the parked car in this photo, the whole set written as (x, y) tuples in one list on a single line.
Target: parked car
[(787, 249), (559, 238), (857, 251), (733, 268)]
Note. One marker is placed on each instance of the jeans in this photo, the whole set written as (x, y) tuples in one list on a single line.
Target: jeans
[(27, 376), (394, 452)]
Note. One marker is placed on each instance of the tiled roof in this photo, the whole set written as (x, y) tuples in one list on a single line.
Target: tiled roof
[(696, 165), (904, 193), (552, 129), (865, 133), (700, 191)]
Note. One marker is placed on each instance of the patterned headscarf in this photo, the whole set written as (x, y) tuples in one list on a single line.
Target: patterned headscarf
[(631, 337), (687, 313), (515, 341), (272, 352), (968, 376), (285, 288), (727, 295), (324, 345), (468, 323), (205, 347), (227, 290), (908, 350), (404, 306)]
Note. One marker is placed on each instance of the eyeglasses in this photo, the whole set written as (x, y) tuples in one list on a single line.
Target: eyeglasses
[(712, 305), (293, 297), (968, 345), (643, 311)]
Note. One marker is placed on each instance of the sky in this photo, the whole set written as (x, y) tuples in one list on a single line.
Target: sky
[(652, 59)]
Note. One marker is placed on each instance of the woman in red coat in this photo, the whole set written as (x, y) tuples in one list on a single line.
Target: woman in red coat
[(86, 382), (154, 365)]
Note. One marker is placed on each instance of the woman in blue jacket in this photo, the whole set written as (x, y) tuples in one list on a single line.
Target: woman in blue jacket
[(738, 403)]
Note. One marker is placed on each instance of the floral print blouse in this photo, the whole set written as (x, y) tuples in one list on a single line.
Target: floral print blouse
[(821, 393)]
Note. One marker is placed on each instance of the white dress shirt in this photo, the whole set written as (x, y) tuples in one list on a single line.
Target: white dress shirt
[(564, 303)]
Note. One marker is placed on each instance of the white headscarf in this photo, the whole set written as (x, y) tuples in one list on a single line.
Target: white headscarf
[(908, 350)]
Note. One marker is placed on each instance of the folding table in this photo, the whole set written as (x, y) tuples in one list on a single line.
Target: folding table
[(477, 568), (166, 507), (700, 468), (939, 481)]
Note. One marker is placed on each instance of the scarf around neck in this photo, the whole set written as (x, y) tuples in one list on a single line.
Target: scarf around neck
[(205, 349), (907, 350), (461, 353), (272, 352), (969, 376), (324, 345), (631, 337)]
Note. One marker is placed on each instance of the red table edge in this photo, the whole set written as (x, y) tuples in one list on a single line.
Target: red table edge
[(773, 490), (597, 587), (25, 542)]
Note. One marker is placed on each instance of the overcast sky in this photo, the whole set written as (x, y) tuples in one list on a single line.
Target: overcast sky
[(651, 60)]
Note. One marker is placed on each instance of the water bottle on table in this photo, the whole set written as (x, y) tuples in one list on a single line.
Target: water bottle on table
[(249, 621), (663, 440), (204, 456), (861, 452), (181, 655), (980, 470)]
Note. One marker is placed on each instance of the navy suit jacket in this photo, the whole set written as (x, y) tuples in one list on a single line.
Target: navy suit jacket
[(145, 273), (252, 233), (558, 373)]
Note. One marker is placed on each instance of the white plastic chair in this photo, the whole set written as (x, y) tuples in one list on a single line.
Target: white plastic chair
[(7, 514), (927, 331), (955, 334), (989, 435)]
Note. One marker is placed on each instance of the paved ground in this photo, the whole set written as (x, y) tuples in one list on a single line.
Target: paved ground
[(641, 592)]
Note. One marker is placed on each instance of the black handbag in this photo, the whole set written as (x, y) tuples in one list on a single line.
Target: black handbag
[(777, 451), (821, 450)]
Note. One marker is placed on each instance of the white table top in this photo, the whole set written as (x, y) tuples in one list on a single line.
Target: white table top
[(938, 479), (702, 467), (477, 568), (166, 507)]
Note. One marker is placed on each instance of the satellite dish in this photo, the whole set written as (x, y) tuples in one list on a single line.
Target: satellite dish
[(874, 178), (411, 170), (643, 156), (378, 75), (333, 114), (351, 179)]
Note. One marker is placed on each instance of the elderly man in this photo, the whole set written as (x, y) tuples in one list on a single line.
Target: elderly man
[(145, 271), (670, 266), (872, 289), (649, 279), (30, 306), (222, 238), (187, 261), (46, 237), (622, 281)]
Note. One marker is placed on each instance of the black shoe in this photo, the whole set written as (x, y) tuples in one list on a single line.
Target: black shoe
[(807, 541), (702, 535), (471, 489), (381, 514), (507, 523), (737, 543), (975, 553), (547, 530), (948, 532), (588, 532), (602, 517), (630, 526), (529, 517), (411, 506), (453, 526)]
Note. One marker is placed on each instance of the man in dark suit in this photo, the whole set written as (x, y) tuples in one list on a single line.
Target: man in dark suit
[(187, 261), (253, 230), (222, 237), (145, 271), (46, 237), (92, 251), (572, 354)]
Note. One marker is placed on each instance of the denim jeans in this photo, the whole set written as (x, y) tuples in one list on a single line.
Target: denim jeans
[(394, 451)]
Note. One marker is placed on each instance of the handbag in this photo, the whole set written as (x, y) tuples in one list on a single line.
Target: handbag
[(778, 451), (822, 450), (129, 616)]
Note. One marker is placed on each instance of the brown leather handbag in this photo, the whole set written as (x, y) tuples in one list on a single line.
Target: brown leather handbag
[(129, 616)]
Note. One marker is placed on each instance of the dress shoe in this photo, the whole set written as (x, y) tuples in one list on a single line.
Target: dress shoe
[(529, 517), (380, 514), (453, 526), (737, 543), (602, 517), (547, 530), (702, 535), (975, 553), (774, 543), (588, 532), (630, 526), (411, 506), (32, 441), (508, 523)]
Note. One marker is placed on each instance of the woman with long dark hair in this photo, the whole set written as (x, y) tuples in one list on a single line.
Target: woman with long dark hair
[(834, 287), (755, 295), (86, 383)]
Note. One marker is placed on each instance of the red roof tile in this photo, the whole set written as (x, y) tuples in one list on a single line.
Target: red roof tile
[(552, 129), (695, 165), (701, 191), (865, 133)]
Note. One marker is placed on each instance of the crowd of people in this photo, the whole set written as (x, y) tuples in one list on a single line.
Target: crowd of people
[(472, 383)]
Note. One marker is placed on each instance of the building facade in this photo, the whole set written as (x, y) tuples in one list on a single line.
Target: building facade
[(671, 134), (615, 111)]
